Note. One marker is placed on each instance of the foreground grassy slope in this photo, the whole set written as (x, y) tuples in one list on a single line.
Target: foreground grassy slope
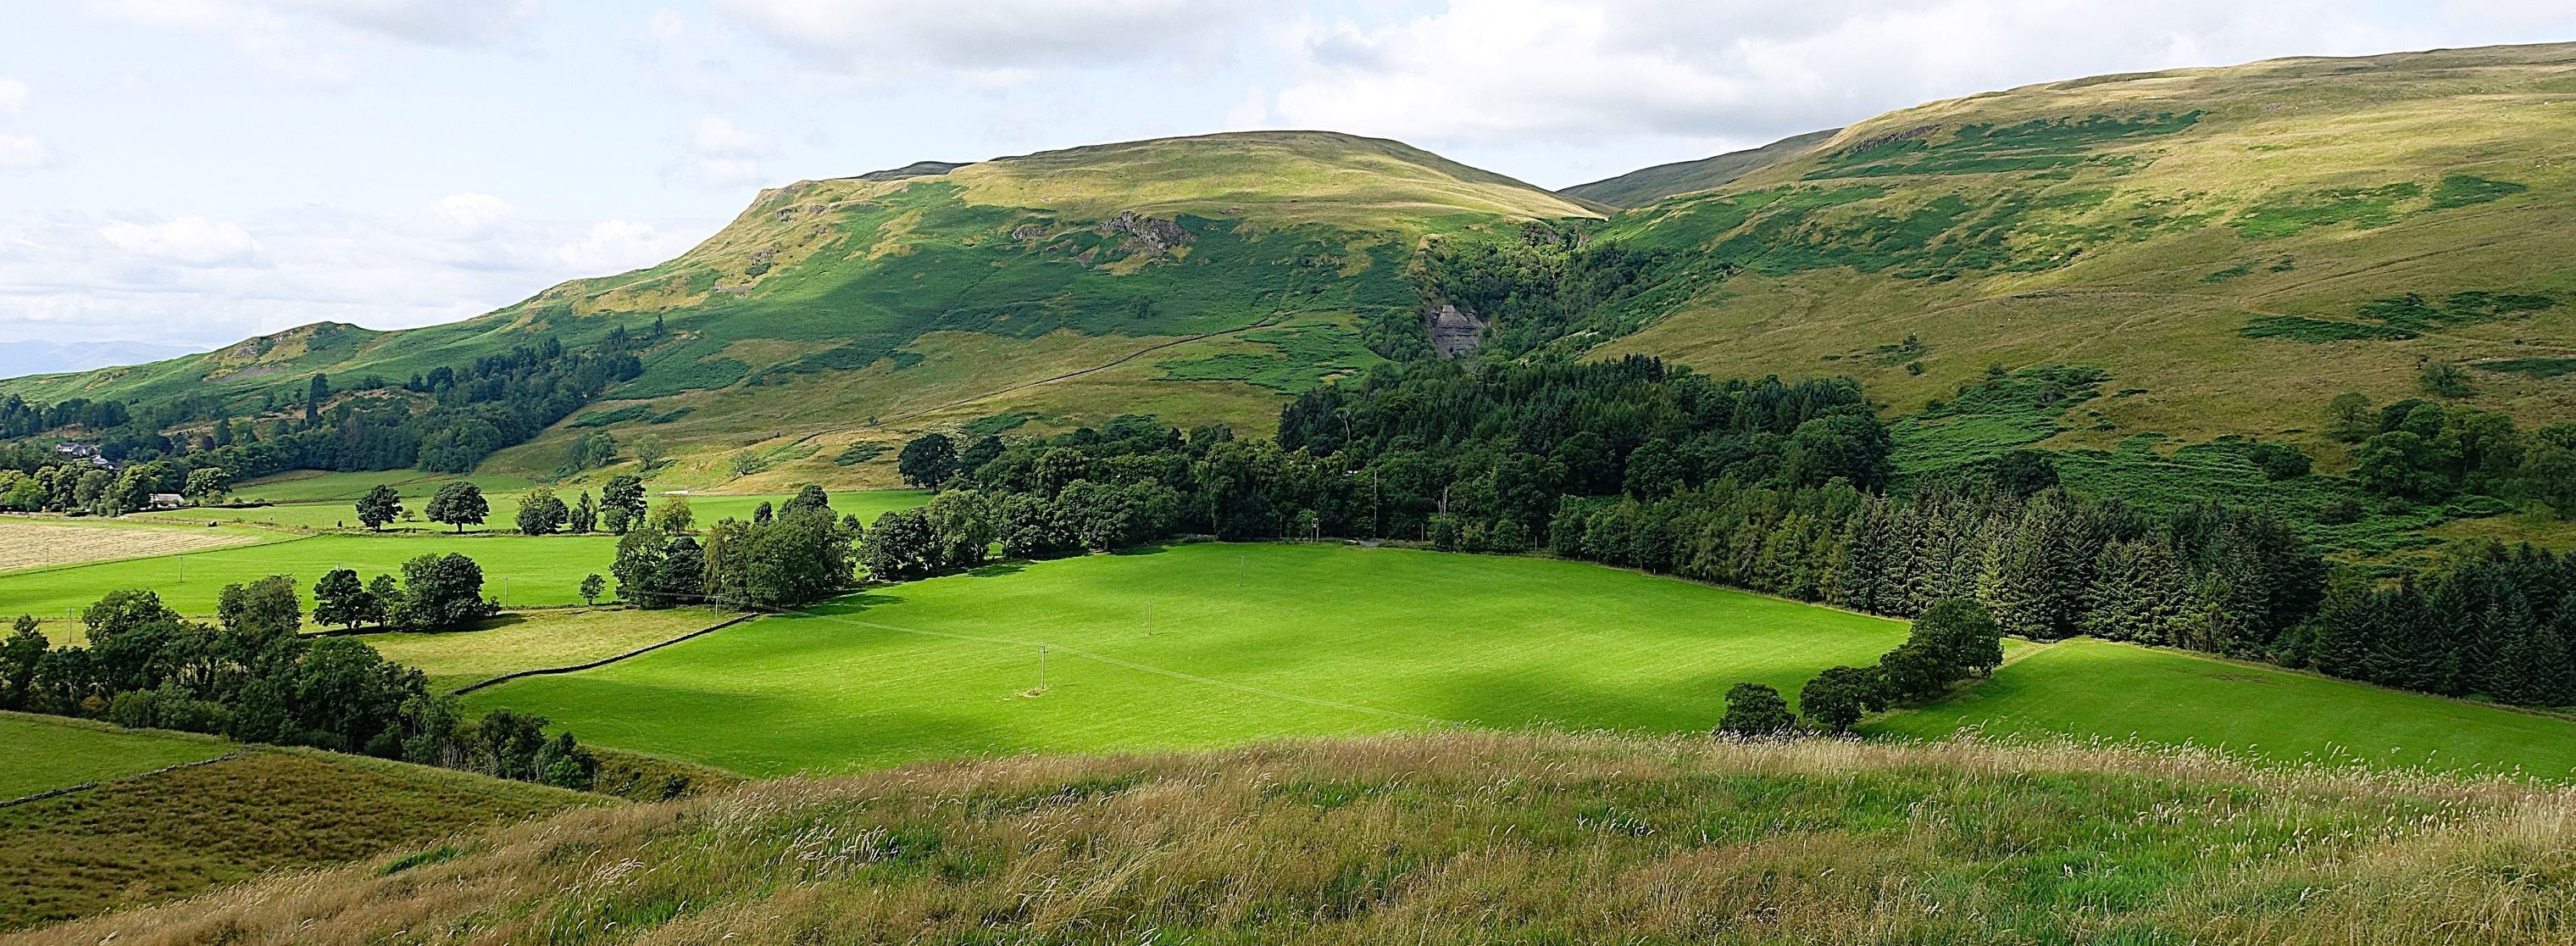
[(178, 833), (1198, 645), (2234, 245), (2093, 689), (1473, 838), (809, 313)]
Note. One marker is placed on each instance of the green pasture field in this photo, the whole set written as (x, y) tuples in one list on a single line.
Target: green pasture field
[(704, 507), (314, 486), (535, 640), (1198, 645), (2089, 688), (40, 753), (541, 571)]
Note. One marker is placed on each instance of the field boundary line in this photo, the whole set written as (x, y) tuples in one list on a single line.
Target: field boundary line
[(604, 661), (86, 786)]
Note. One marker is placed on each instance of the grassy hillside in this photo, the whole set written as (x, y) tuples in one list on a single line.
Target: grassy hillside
[(2234, 246), (178, 833), (1646, 185), (1477, 838), (1059, 282)]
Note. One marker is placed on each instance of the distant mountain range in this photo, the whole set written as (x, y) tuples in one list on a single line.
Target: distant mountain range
[(43, 357)]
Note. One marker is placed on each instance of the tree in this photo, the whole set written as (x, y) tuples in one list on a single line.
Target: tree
[(648, 451), (441, 593), (207, 484), (341, 599), (621, 503), (2025, 472), (264, 608), (593, 449), (1915, 670), (808, 496), (19, 657), (541, 513), (1840, 696), (459, 504), (673, 516), (384, 598), (2350, 418), (381, 505), (928, 462), (2445, 378), (1964, 633), (592, 586), (899, 546), (585, 516), (962, 527), (2279, 461), (1755, 710)]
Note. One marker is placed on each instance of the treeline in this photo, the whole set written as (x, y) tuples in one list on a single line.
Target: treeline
[(446, 420), (252, 678), (1772, 486), (790, 556), (1954, 640), (2501, 623), (2422, 451)]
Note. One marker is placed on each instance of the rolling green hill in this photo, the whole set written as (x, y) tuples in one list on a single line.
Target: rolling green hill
[(2231, 247), (1647, 185), (1196, 278), (2234, 246)]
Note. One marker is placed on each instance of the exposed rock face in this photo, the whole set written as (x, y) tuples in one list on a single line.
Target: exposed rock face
[(1454, 331), (1145, 235)]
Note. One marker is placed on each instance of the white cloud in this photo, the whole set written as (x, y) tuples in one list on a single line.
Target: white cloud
[(435, 22), (715, 136), (24, 153), (1496, 69), (618, 245), (990, 41), (472, 213), (187, 241), (13, 96)]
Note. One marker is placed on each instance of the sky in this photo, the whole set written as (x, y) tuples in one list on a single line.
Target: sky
[(194, 172)]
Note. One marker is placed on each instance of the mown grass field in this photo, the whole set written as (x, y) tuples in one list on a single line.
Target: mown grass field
[(2097, 689), (535, 640), (33, 543), (1480, 838), (705, 507), (180, 833), (541, 572), (40, 753), (1242, 642)]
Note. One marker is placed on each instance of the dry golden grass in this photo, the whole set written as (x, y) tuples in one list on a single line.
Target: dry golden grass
[(1482, 837), (25, 544)]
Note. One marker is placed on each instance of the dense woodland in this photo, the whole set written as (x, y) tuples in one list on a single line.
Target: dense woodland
[(1767, 485)]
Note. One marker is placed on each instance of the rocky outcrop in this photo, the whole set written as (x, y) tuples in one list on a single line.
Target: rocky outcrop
[(1146, 236), (1454, 331)]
